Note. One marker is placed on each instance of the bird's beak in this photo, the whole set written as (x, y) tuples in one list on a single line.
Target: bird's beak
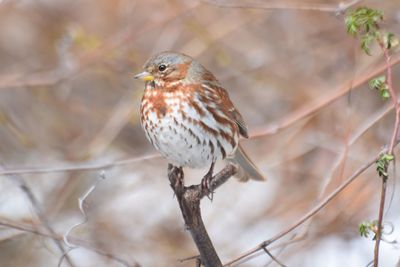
[(145, 76)]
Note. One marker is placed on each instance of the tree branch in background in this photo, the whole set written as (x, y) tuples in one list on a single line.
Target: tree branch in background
[(289, 5), (79, 167)]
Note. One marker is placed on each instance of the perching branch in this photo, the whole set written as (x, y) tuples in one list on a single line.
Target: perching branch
[(189, 198)]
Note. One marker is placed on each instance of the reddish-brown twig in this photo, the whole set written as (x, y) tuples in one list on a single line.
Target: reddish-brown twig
[(393, 142)]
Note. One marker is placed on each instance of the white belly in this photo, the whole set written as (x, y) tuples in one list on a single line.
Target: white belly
[(187, 143)]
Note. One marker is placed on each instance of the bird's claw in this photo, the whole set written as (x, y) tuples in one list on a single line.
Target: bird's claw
[(206, 185)]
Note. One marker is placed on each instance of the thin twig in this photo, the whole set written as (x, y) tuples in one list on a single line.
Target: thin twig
[(393, 142), (281, 246), (81, 202), (336, 8), (78, 167), (273, 257), (195, 257)]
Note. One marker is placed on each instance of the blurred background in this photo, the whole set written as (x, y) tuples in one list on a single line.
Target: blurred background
[(69, 110)]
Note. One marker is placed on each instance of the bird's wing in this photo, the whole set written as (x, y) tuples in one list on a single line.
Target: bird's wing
[(221, 97)]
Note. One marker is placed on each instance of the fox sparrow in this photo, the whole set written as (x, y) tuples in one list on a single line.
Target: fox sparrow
[(189, 118)]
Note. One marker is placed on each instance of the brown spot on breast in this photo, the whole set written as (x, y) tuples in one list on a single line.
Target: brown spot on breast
[(183, 114), (211, 147), (159, 105), (155, 98), (221, 149), (163, 110), (195, 136), (191, 133)]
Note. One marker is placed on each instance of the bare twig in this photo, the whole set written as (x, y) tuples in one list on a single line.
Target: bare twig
[(189, 203), (273, 257), (195, 257), (78, 167), (81, 202), (393, 142), (336, 8)]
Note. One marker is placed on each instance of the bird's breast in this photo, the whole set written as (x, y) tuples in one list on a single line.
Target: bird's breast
[(185, 130)]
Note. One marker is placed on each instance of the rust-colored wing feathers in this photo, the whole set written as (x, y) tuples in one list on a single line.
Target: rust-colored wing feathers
[(221, 97), (248, 170)]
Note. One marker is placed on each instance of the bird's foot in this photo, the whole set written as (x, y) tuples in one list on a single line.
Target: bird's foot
[(206, 185)]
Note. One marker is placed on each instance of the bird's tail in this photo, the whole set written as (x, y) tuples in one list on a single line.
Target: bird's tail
[(247, 170)]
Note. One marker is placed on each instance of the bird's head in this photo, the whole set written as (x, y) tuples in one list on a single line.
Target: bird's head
[(170, 67)]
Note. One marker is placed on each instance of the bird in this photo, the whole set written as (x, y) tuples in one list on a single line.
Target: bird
[(189, 118)]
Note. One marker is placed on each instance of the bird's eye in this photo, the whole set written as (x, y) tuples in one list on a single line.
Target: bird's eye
[(162, 67)]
